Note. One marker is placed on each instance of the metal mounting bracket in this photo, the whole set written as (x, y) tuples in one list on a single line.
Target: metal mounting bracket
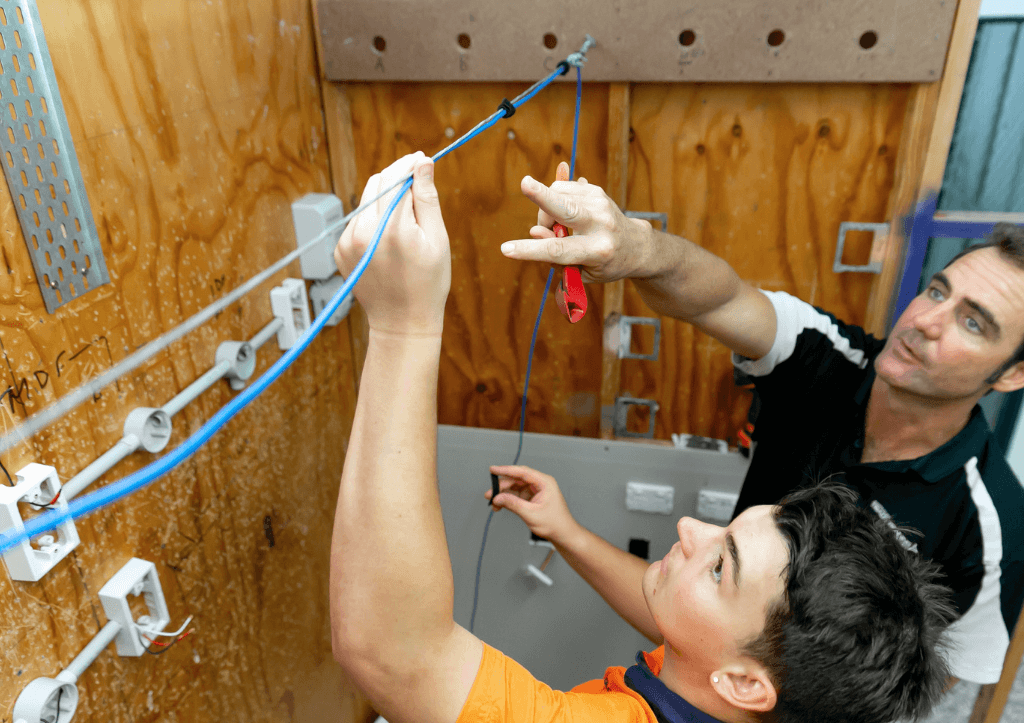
[(41, 166), (881, 230), (622, 405), (661, 218), (626, 324)]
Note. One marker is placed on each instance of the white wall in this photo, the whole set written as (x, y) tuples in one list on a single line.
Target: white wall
[(1001, 8)]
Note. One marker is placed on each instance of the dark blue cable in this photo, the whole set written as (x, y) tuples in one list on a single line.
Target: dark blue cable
[(132, 483), (533, 342)]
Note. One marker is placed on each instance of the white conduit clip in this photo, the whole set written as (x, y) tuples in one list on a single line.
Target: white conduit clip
[(150, 429)]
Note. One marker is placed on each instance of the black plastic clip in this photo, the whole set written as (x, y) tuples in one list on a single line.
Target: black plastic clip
[(563, 66), (506, 105), (495, 489)]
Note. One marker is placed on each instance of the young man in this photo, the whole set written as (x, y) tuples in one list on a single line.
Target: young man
[(896, 418), (807, 611)]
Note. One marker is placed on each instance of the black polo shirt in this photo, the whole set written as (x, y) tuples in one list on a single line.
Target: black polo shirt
[(963, 498)]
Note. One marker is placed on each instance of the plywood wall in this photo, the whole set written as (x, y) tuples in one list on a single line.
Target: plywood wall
[(760, 175), (196, 125)]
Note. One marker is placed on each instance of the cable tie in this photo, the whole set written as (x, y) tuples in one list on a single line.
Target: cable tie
[(506, 105)]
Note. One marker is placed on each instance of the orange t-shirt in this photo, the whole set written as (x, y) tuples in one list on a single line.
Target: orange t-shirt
[(505, 692)]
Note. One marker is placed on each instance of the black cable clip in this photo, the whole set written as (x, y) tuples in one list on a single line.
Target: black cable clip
[(563, 66), (506, 105)]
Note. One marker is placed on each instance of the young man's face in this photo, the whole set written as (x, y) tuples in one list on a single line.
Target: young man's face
[(961, 329), (705, 604)]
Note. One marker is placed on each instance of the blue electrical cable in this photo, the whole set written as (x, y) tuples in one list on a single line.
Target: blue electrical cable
[(114, 491), (529, 359)]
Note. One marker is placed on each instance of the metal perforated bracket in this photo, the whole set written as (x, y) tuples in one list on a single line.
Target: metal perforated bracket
[(626, 324), (622, 405), (881, 231), (41, 165)]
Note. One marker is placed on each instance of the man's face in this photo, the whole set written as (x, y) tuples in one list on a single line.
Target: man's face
[(959, 330), (710, 593)]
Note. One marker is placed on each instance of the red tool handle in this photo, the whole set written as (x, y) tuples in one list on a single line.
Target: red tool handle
[(570, 296)]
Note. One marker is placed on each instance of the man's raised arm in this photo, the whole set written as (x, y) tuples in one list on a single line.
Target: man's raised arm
[(675, 277)]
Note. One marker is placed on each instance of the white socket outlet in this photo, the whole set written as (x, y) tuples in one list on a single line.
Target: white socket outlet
[(715, 506), (647, 497)]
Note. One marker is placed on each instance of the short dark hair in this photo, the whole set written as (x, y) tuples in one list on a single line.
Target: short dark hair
[(857, 635), (1009, 239)]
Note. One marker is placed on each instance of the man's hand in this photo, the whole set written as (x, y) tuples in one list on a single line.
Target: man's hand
[(404, 288), (535, 497), (608, 245)]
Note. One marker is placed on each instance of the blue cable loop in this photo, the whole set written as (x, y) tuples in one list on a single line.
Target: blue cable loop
[(533, 342), (114, 491)]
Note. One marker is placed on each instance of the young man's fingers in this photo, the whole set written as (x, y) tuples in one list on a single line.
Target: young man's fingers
[(542, 232), (557, 204)]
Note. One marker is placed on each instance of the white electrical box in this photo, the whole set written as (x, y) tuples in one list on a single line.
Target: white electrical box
[(312, 214), (321, 293), (715, 506), (38, 485), (289, 303), (647, 497), (138, 577)]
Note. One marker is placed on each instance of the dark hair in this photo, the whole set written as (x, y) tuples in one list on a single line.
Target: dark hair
[(857, 635), (1009, 239)]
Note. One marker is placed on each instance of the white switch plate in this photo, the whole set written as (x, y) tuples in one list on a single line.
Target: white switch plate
[(647, 497), (715, 506)]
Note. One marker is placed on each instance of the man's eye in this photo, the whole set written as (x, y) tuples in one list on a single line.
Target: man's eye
[(972, 325), (934, 294), (716, 571)]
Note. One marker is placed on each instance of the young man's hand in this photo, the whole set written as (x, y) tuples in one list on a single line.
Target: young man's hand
[(535, 497), (404, 288), (605, 243)]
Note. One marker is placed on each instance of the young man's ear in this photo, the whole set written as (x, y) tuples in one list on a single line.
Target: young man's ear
[(1011, 380), (746, 687)]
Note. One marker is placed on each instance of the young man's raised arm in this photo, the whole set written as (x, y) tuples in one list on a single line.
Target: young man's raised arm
[(391, 582)]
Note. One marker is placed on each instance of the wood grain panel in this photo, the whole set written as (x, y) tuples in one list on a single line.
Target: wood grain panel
[(761, 176), (494, 301), (196, 125)]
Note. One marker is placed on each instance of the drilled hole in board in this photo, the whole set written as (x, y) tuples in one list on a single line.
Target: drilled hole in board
[(687, 38), (17, 63), (464, 41), (550, 41), (776, 38), (75, 245), (868, 39), (380, 44), (31, 85), (60, 250)]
